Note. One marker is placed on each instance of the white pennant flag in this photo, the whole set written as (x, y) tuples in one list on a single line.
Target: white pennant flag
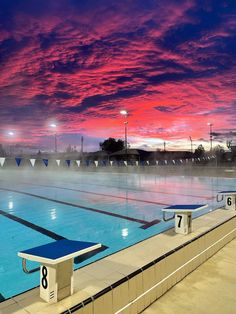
[(192, 159), (173, 161), (125, 162), (32, 161), (78, 162), (111, 162), (2, 161), (166, 162), (157, 162), (96, 162), (58, 162), (181, 161), (148, 162), (136, 162)]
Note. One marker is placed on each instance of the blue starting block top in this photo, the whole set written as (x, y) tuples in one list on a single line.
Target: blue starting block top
[(58, 251), (184, 208), (228, 192)]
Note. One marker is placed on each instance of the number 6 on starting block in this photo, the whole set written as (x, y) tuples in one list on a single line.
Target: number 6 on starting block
[(230, 199)]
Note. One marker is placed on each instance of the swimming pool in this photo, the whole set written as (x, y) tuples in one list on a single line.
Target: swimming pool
[(117, 210)]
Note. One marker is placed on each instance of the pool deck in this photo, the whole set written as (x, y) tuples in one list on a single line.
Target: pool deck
[(210, 289), (130, 280)]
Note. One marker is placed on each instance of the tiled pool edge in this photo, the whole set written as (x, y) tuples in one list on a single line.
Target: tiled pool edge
[(135, 292)]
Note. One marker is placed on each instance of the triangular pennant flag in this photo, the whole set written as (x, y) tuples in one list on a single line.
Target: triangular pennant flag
[(181, 161), (58, 162), (2, 161), (78, 162), (136, 162), (68, 162), (192, 159), (96, 162), (199, 159), (173, 161), (166, 162), (125, 162), (104, 163), (111, 162), (18, 161), (148, 162), (157, 162), (45, 161), (32, 161)]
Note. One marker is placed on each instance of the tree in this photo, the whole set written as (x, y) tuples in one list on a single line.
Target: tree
[(219, 152), (69, 149), (200, 151), (229, 143), (112, 145)]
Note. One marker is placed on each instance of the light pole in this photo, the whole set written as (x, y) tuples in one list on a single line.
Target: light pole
[(54, 126), (125, 114), (11, 134), (191, 143), (210, 134)]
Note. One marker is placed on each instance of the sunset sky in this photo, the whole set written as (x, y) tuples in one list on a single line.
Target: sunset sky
[(170, 64)]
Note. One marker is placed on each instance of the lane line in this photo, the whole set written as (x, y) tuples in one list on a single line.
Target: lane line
[(52, 235), (99, 194), (79, 206), (28, 224), (146, 191)]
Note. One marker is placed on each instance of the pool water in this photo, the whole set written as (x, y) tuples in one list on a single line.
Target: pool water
[(117, 210)]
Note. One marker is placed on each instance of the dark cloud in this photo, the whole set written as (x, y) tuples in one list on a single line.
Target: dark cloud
[(47, 40), (98, 100), (68, 67), (220, 110), (24, 114), (62, 95), (41, 98), (169, 108), (205, 18), (11, 46)]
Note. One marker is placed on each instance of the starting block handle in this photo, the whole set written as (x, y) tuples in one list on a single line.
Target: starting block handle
[(218, 199), (167, 219), (28, 271)]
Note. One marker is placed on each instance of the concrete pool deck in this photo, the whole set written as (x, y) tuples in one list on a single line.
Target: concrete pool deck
[(130, 280), (210, 289)]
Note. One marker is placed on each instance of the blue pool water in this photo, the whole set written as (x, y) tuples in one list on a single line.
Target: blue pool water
[(117, 210)]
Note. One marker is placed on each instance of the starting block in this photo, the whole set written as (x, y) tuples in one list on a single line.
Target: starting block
[(230, 199), (56, 269), (183, 216)]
